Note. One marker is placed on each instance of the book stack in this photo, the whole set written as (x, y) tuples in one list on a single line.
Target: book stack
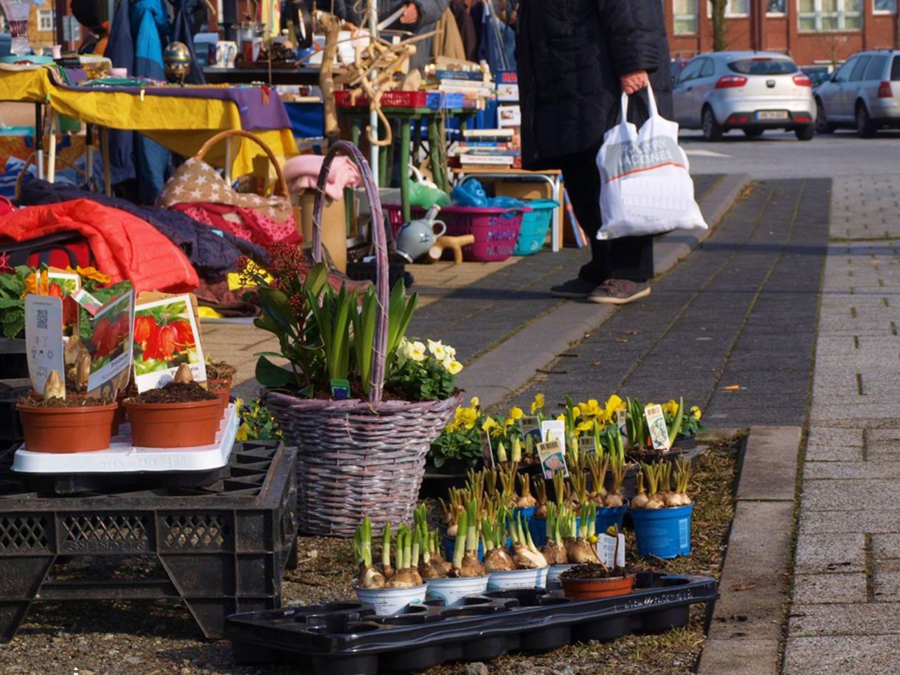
[(487, 148), (470, 83)]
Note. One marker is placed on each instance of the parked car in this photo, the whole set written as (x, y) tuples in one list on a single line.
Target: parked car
[(864, 92), (752, 91), (818, 74)]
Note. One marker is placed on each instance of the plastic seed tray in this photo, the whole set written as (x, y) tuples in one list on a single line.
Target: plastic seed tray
[(346, 638), (123, 465), (221, 549)]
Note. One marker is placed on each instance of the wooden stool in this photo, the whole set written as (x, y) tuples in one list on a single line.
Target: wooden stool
[(455, 244)]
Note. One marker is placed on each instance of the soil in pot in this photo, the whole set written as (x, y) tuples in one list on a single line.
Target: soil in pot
[(179, 415), (66, 426), (592, 581), (175, 392)]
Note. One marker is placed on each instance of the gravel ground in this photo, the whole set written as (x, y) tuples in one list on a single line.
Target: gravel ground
[(160, 638)]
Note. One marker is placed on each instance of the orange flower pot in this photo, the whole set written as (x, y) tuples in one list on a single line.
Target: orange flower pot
[(222, 389), (174, 425), (594, 589), (67, 430)]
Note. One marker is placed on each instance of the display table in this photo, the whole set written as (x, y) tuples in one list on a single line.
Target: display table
[(304, 75), (181, 119)]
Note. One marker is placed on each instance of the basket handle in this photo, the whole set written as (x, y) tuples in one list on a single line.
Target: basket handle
[(281, 185), (379, 345)]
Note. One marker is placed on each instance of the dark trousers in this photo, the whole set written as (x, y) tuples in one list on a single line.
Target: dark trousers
[(624, 258)]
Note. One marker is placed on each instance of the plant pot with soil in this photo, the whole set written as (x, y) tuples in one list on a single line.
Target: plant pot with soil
[(391, 589), (661, 516), (593, 581), (182, 414), (219, 376)]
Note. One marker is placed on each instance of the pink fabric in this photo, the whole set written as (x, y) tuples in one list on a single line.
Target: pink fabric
[(245, 223), (302, 173)]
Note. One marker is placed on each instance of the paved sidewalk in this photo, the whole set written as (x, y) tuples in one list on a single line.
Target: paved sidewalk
[(846, 601)]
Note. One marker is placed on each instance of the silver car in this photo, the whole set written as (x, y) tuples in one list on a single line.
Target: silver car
[(864, 92), (752, 91)]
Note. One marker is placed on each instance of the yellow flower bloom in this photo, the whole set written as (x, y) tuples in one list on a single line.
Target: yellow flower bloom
[(670, 408), (537, 403), (93, 274), (516, 413), (613, 405), (37, 284), (452, 367), (475, 402), (243, 432), (583, 427), (561, 417), (437, 350), (696, 412), (416, 351), (576, 412), (489, 424), (591, 410)]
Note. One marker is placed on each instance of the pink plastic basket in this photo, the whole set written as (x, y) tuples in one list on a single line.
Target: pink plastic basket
[(495, 230)]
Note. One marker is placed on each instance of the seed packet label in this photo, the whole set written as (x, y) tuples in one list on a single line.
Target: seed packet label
[(531, 426), (587, 445), (553, 430), (44, 338), (165, 336), (486, 451), (656, 423), (88, 301), (606, 550), (553, 458), (68, 282), (110, 341)]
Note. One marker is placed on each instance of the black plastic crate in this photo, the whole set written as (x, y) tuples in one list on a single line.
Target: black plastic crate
[(347, 638), (10, 423), (224, 547)]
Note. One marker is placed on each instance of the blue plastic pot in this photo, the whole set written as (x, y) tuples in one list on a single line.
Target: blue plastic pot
[(663, 533), (450, 548), (538, 529), (609, 516)]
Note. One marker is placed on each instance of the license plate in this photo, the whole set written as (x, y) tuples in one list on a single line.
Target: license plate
[(771, 114)]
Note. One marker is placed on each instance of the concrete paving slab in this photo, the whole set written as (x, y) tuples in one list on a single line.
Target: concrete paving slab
[(743, 655), (866, 495), (886, 582), (826, 589), (828, 553), (852, 520), (874, 618), (769, 469), (855, 470), (862, 655), (886, 546)]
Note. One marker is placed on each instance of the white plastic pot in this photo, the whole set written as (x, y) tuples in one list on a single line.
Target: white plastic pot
[(454, 591), (390, 601), (553, 576), (504, 581)]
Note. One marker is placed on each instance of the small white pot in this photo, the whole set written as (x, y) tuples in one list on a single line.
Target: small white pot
[(553, 583), (454, 591), (504, 581), (390, 601)]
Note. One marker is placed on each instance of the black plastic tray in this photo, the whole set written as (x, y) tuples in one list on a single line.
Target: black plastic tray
[(347, 638)]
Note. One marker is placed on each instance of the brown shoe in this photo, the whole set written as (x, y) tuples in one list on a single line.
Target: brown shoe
[(619, 292)]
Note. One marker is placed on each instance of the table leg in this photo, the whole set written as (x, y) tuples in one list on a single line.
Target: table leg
[(404, 174), (89, 155), (355, 132), (39, 139), (51, 157), (104, 141), (434, 150)]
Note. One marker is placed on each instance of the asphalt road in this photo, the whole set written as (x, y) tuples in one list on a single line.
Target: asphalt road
[(780, 155)]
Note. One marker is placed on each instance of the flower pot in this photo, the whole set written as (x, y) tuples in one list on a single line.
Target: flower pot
[(553, 575), (538, 529), (450, 548), (454, 592), (504, 581), (66, 430), (390, 601), (663, 533), (222, 389), (174, 425), (594, 589), (609, 516)]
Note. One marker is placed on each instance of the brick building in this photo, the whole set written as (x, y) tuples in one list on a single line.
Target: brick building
[(810, 31)]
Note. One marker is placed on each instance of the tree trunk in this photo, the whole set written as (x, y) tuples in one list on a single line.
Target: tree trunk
[(718, 22)]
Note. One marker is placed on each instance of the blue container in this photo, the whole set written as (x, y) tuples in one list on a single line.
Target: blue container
[(450, 549), (535, 226), (609, 516), (438, 100), (663, 533), (538, 529)]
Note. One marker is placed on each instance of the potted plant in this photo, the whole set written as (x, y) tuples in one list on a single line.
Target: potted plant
[(467, 575), (219, 379), (389, 590), (59, 423), (527, 568), (592, 581), (662, 517), (686, 438), (181, 414)]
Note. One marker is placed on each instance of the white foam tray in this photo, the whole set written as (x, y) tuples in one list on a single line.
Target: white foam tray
[(123, 457)]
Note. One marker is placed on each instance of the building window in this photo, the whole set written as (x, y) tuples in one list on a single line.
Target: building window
[(46, 20), (826, 15), (775, 7), (733, 8), (885, 6), (686, 17)]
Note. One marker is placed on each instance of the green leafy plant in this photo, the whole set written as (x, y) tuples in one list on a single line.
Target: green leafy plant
[(12, 302), (424, 374)]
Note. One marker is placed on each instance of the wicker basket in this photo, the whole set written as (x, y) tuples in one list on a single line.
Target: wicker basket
[(358, 458)]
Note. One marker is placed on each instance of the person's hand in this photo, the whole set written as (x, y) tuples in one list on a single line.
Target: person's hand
[(634, 82), (410, 14)]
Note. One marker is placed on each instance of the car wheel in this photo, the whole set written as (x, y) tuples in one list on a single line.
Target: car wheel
[(822, 124), (806, 132), (753, 132), (864, 125), (712, 130)]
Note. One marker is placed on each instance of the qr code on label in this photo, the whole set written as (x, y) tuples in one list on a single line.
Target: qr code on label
[(42, 319)]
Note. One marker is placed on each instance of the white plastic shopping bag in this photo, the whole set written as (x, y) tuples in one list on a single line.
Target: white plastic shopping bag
[(646, 185)]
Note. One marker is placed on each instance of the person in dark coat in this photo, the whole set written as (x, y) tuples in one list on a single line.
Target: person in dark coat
[(575, 58)]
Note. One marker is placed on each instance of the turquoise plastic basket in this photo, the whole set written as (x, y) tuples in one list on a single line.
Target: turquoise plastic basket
[(535, 226)]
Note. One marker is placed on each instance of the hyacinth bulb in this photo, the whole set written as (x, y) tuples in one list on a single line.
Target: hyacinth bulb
[(55, 387), (183, 375)]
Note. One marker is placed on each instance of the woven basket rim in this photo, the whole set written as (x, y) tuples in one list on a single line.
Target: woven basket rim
[(356, 405)]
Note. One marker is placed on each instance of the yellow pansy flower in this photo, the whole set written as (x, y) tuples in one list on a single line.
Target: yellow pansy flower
[(453, 367), (670, 408), (696, 412), (587, 425), (591, 410), (576, 412), (613, 405), (537, 403), (489, 424), (475, 402), (93, 274), (516, 413), (243, 432), (437, 349)]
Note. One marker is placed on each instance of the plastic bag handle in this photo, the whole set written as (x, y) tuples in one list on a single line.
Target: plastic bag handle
[(650, 97)]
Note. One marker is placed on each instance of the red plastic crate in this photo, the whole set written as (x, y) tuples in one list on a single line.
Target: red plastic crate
[(390, 99), (495, 230)]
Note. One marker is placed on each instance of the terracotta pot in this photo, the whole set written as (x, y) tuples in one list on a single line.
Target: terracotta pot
[(222, 389), (67, 430), (593, 589), (174, 425)]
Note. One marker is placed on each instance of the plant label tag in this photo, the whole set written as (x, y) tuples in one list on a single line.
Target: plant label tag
[(109, 342), (622, 422), (531, 426), (554, 430), (587, 445), (91, 304), (609, 554), (44, 338), (486, 450), (656, 423), (165, 336), (68, 282), (553, 458), (340, 390)]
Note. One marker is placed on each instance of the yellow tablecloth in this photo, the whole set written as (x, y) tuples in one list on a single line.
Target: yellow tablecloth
[(181, 124)]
